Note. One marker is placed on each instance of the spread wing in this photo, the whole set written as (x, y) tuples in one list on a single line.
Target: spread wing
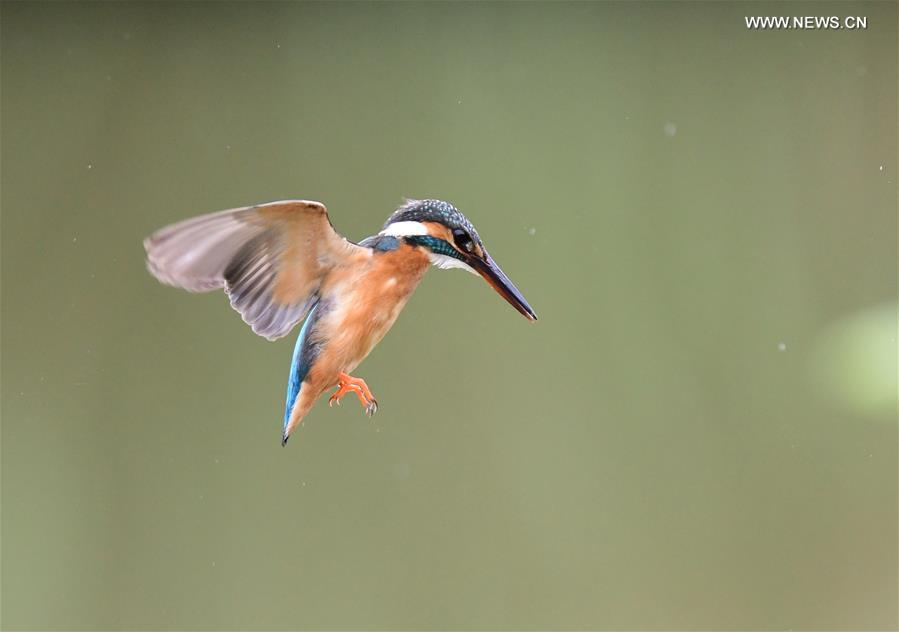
[(270, 259)]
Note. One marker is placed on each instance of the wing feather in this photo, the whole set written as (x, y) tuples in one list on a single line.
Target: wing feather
[(270, 259)]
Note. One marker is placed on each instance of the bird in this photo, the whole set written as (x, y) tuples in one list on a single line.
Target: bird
[(282, 263)]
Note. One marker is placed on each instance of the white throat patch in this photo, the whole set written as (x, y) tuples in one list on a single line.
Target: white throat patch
[(444, 262)]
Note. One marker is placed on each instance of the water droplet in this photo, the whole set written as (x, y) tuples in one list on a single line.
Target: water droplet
[(90, 166), (670, 129), (781, 346), (532, 231)]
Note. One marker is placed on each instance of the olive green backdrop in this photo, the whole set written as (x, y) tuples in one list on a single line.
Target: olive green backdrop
[(700, 431)]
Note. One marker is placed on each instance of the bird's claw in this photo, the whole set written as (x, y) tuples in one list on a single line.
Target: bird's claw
[(348, 384)]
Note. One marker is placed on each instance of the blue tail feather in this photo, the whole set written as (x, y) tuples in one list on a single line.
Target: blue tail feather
[(299, 367)]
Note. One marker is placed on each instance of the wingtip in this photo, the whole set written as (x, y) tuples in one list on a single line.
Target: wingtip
[(284, 439)]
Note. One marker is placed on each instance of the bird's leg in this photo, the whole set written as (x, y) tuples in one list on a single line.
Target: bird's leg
[(349, 384)]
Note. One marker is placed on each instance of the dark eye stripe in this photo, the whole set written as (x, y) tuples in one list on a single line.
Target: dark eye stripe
[(435, 244)]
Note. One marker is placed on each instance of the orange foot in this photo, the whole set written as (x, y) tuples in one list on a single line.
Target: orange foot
[(349, 384)]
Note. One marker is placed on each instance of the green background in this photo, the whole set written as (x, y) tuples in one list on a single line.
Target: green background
[(700, 432)]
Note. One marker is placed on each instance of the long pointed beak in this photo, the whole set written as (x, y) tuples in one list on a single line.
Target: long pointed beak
[(498, 280)]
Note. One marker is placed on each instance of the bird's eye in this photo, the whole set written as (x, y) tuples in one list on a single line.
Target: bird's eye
[(463, 239)]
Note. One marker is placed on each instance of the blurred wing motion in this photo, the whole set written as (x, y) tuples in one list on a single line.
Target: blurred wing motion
[(270, 259)]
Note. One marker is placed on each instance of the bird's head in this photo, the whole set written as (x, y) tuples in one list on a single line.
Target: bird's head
[(451, 241)]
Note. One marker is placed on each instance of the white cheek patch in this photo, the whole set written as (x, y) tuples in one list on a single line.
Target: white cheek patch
[(405, 229), (444, 262)]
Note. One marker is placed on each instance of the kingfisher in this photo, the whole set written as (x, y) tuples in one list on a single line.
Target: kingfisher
[(283, 263)]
